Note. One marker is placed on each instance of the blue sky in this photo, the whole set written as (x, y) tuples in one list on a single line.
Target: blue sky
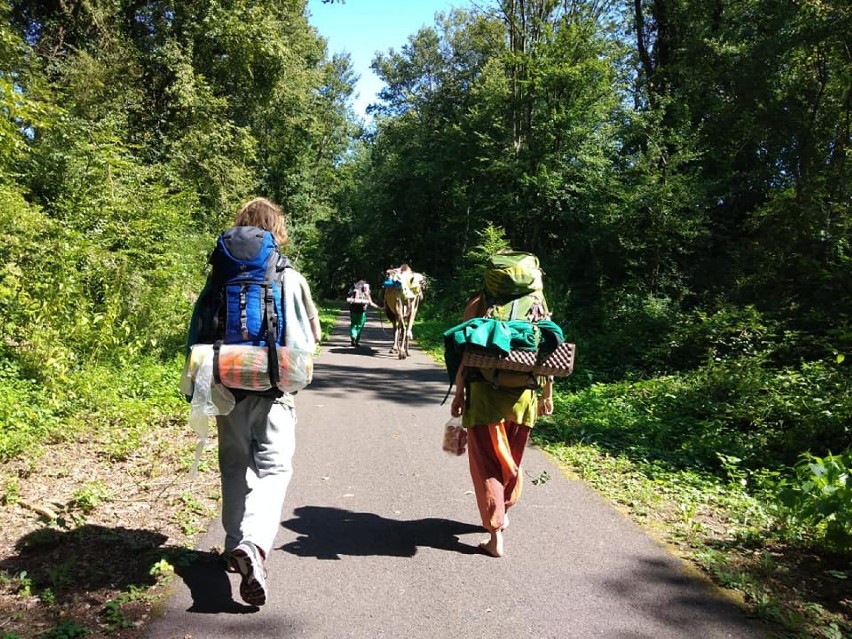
[(363, 27)]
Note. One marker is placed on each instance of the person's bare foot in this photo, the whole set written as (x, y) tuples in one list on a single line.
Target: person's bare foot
[(494, 546)]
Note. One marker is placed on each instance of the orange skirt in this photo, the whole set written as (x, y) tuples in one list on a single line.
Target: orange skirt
[(494, 453)]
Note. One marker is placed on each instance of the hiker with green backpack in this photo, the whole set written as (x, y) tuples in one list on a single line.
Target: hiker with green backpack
[(499, 399)]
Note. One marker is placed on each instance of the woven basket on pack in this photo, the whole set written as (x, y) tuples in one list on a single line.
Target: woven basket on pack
[(558, 363)]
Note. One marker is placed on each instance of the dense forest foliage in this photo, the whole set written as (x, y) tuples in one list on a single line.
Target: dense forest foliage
[(683, 171), (131, 132), (681, 167)]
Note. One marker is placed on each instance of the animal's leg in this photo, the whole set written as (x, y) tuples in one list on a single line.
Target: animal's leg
[(390, 302), (395, 345), (398, 326), (406, 328), (415, 305), (399, 333)]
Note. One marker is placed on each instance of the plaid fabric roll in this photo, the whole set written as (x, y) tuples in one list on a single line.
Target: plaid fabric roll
[(247, 368)]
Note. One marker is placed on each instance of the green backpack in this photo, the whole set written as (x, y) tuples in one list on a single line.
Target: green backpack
[(512, 290), (513, 287)]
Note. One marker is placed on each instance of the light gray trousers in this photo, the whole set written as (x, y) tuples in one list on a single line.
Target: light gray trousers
[(256, 444)]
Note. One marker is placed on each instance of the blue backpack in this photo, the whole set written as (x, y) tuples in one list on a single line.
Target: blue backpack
[(245, 296), (247, 273)]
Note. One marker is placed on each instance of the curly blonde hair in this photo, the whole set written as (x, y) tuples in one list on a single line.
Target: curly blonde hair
[(264, 214)]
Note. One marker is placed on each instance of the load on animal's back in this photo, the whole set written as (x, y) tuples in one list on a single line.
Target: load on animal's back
[(402, 292), (409, 283)]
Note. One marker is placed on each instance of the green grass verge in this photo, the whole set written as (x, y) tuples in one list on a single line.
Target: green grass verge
[(329, 310), (119, 401)]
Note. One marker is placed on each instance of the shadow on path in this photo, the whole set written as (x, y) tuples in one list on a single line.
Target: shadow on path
[(411, 387), (696, 599), (328, 533), (375, 374), (209, 586)]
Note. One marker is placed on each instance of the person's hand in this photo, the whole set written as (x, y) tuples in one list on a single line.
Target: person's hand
[(545, 405), (457, 407)]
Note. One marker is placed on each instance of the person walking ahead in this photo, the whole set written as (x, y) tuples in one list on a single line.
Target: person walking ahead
[(359, 299), (257, 438), (498, 420)]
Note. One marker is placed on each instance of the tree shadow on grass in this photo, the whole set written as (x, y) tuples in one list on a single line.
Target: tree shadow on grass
[(794, 572), (100, 563), (328, 533), (75, 561)]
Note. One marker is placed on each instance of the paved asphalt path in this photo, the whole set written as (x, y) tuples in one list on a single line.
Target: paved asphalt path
[(380, 529)]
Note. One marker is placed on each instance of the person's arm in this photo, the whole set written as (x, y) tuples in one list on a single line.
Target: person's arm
[(313, 314), (316, 329), (545, 400), (457, 407)]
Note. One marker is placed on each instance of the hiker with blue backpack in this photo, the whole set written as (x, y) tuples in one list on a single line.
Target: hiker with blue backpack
[(502, 359), (256, 326)]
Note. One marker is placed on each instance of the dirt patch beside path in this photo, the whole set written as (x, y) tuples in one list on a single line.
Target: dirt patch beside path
[(89, 543)]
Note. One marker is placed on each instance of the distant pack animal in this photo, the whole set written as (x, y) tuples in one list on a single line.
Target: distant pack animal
[(402, 293)]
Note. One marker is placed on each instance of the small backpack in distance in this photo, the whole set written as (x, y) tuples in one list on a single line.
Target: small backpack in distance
[(359, 293)]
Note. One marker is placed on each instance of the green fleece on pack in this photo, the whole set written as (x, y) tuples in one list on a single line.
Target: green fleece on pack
[(498, 335)]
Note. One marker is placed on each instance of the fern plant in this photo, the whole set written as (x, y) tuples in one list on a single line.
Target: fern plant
[(819, 497)]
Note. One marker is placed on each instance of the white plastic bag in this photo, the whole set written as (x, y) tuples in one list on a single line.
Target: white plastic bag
[(208, 397), (455, 437)]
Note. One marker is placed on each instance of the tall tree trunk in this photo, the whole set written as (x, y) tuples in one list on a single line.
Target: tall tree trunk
[(646, 68)]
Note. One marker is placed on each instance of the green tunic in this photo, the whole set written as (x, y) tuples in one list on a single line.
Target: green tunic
[(490, 405)]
